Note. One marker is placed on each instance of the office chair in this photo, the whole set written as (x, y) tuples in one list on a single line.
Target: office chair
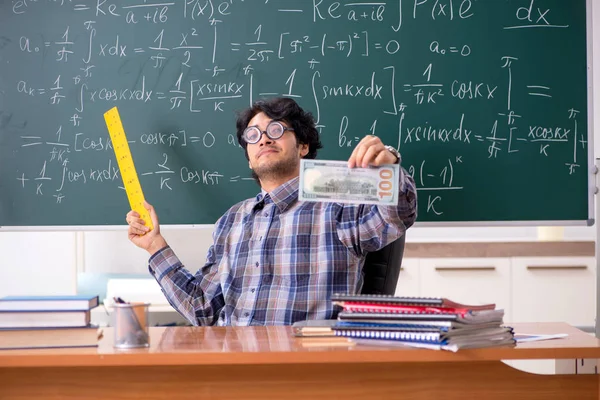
[(382, 268)]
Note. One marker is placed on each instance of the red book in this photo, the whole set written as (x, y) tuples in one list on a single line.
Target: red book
[(401, 309)]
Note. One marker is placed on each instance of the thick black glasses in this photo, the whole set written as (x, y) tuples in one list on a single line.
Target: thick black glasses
[(274, 131)]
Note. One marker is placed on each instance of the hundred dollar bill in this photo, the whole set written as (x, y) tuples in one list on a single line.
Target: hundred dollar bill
[(333, 181)]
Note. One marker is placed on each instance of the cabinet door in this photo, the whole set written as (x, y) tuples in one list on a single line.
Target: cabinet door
[(547, 289), (408, 281), (468, 280)]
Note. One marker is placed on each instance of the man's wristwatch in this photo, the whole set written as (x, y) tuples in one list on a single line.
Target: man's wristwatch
[(394, 152)]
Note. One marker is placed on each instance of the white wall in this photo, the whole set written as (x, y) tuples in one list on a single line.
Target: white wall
[(113, 252), (47, 262), (37, 263)]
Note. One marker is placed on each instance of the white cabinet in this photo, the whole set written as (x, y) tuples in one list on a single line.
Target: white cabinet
[(529, 289), (547, 289), (468, 280), (409, 281)]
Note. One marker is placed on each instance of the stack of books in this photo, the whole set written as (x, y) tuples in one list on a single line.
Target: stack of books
[(32, 322), (435, 323)]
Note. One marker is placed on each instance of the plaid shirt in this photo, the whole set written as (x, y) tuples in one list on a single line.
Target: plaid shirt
[(275, 261)]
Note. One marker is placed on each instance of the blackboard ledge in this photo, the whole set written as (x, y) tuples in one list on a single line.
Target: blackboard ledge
[(77, 228), (492, 224)]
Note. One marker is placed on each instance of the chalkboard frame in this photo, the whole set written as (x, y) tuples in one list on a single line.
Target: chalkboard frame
[(591, 164)]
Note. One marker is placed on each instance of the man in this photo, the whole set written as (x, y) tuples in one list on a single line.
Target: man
[(275, 260)]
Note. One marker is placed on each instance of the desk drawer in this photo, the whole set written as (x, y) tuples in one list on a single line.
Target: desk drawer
[(468, 280), (548, 289)]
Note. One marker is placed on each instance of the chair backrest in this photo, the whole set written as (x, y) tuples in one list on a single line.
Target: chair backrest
[(382, 268)]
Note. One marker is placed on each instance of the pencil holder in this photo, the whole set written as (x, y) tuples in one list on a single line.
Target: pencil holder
[(130, 322)]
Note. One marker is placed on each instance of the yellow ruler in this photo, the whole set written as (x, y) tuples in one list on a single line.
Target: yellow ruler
[(126, 166)]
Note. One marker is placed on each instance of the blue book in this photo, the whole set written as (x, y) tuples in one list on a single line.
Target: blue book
[(404, 336), (48, 303)]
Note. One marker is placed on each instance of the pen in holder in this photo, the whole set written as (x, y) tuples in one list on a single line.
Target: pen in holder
[(130, 324)]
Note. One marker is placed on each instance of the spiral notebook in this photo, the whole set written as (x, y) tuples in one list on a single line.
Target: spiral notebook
[(500, 336), (411, 334), (449, 330), (402, 309), (422, 337), (343, 325), (501, 342), (379, 299), (474, 317)]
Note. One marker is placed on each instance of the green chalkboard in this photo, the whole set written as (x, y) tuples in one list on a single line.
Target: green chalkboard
[(486, 99)]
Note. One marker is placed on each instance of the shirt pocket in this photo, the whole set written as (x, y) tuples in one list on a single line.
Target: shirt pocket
[(293, 292)]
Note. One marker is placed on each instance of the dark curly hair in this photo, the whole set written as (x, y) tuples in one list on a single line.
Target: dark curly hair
[(287, 110)]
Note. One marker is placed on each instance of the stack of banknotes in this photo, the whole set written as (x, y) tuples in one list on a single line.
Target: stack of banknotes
[(333, 181)]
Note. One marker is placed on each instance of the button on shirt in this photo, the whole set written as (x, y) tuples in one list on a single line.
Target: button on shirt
[(275, 260)]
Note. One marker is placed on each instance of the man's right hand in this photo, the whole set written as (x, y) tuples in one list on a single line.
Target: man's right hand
[(141, 235)]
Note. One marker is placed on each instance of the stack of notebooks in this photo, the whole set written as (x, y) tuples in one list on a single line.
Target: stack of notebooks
[(434, 323), (32, 322)]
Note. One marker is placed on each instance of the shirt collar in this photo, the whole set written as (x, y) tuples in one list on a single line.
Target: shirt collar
[(283, 196)]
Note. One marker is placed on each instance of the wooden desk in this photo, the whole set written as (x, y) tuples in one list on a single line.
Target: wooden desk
[(268, 362)]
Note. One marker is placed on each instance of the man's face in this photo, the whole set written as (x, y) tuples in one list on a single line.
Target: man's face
[(272, 158)]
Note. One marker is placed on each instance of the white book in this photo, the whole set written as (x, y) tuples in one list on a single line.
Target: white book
[(38, 319)]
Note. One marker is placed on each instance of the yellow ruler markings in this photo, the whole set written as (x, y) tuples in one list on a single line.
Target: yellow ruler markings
[(126, 166)]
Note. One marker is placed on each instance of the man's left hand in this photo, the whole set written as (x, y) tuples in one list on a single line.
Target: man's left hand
[(370, 151)]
